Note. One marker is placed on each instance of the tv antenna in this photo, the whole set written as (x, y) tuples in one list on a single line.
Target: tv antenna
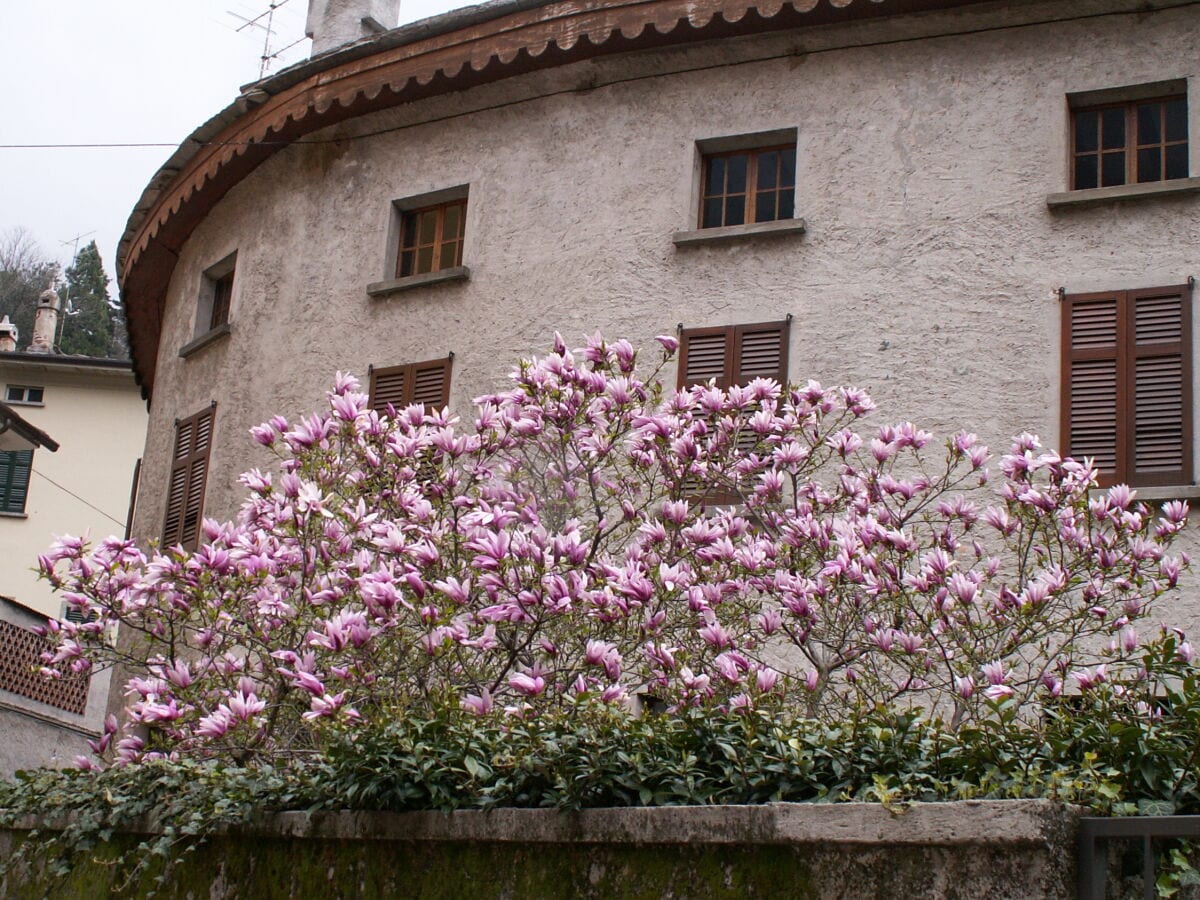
[(74, 244), (268, 30), (61, 324)]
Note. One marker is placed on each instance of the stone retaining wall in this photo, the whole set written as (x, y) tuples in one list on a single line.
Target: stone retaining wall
[(994, 849)]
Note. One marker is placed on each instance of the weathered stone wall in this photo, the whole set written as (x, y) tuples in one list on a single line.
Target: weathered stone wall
[(999, 849), (927, 147)]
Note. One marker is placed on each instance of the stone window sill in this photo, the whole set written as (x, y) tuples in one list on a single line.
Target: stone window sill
[(702, 236), (13, 515), (1122, 192), (409, 282), (1158, 493), (210, 337), (23, 403)]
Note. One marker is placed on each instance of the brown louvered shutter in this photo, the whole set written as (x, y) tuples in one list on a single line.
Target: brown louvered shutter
[(732, 355), (1127, 384), (431, 383), (189, 477), (1092, 398), (400, 386), (760, 351), (704, 355), (1160, 436), (388, 388)]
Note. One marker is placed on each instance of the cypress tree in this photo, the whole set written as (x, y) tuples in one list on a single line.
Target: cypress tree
[(88, 329)]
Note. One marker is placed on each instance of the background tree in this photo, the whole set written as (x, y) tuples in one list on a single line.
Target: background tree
[(88, 329), (25, 272)]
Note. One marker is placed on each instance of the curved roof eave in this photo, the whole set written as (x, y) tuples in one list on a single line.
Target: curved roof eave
[(453, 51)]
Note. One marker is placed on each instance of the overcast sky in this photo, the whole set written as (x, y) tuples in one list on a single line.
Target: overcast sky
[(121, 71)]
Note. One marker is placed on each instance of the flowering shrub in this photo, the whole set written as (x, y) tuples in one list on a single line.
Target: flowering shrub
[(566, 547)]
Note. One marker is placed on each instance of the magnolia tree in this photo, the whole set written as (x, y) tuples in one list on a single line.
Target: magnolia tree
[(592, 536)]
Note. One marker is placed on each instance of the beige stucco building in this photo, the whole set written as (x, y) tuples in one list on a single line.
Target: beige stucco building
[(960, 192), (91, 408), (71, 429)]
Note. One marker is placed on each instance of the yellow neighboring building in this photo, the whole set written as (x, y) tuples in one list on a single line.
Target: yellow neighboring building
[(93, 410)]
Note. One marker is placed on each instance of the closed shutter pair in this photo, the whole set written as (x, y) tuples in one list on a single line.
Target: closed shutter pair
[(734, 354), (401, 386), (189, 477), (1127, 383)]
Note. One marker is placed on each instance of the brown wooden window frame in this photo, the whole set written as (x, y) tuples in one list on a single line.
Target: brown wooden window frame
[(1126, 352), (222, 295), (188, 481), (752, 190), (410, 246), (409, 373), (216, 296), (1131, 144)]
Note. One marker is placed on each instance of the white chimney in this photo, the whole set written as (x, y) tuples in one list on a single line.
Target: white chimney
[(45, 323), (332, 23), (8, 336)]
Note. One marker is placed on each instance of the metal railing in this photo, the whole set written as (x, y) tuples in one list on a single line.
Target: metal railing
[(1095, 833)]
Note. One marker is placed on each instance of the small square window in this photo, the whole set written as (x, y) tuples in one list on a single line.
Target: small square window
[(24, 395), (1129, 140), (744, 186), (431, 238), (222, 292), (216, 296)]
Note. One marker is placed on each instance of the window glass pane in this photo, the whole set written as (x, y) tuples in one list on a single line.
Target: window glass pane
[(448, 257), (736, 167), (1086, 127), (34, 395), (1149, 131), (764, 207), (424, 260), (1113, 128), (428, 226), (1149, 164), (712, 213), (450, 222), (785, 204), (716, 176), (735, 210), (787, 168), (410, 230), (1113, 169), (768, 163), (1177, 161), (406, 264), (1085, 172), (1176, 120), (13, 394)]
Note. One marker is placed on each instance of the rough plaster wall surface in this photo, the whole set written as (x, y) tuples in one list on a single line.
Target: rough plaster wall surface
[(927, 274)]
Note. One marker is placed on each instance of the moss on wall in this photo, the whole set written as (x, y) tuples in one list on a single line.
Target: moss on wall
[(281, 868)]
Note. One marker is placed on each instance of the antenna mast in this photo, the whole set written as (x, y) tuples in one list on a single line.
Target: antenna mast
[(268, 32)]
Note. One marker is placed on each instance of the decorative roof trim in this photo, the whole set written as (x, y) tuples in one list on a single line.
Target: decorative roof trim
[(446, 53)]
